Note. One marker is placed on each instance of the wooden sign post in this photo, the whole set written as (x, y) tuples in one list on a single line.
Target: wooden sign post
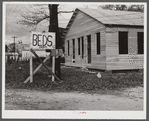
[(29, 78), (53, 54), (41, 41), (31, 63), (53, 67), (31, 68)]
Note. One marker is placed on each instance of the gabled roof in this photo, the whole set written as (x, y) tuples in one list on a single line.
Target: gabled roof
[(111, 17), (116, 17)]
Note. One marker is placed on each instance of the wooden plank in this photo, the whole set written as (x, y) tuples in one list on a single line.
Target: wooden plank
[(53, 67), (37, 68), (76, 28), (45, 65), (122, 29), (31, 68), (123, 65), (120, 61), (35, 49), (124, 68), (84, 25)]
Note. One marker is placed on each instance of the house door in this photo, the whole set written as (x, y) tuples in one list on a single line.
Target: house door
[(89, 48)]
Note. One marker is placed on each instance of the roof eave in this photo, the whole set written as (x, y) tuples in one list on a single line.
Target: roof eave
[(120, 25)]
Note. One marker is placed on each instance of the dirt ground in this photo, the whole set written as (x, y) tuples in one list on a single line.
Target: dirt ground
[(23, 99)]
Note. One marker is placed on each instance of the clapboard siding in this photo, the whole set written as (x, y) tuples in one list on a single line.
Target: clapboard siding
[(116, 61), (109, 57), (82, 26)]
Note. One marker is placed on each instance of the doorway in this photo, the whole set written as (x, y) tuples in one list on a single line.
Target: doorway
[(73, 42), (89, 48)]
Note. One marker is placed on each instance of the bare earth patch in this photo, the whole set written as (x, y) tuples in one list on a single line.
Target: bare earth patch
[(23, 99)]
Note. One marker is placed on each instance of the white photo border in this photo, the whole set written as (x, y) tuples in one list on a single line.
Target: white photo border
[(41, 114)]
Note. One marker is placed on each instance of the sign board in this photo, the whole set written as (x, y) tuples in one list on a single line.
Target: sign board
[(53, 52), (60, 52), (42, 41), (56, 52)]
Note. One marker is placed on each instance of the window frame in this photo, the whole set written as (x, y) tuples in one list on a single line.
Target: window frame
[(79, 46), (82, 39), (121, 51), (68, 48), (142, 48), (98, 43)]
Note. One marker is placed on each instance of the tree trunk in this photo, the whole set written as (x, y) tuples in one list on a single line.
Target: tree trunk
[(54, 28)]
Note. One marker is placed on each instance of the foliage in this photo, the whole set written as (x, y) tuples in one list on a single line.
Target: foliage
[(34, 15), (13, 48), (37, 13), (138, 8), (6, 48)]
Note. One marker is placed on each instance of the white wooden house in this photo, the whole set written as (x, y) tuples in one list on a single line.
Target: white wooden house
[(105, 39)]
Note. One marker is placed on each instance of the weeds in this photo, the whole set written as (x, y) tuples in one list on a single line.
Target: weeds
[(74, 79)]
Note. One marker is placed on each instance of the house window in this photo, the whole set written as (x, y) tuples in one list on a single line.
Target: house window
[(82, 38), (78, 46), (98, 43), (68, 48), (73, 42), (123, 42), (140, 37)]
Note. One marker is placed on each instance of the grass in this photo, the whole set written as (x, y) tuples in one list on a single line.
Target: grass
[(74, 79)]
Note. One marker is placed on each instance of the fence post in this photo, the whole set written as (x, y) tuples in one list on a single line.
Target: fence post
[(31, 68)]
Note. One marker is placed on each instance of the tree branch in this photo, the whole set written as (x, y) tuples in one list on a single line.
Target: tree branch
[(65, 12), (32, 18), (32, 22)]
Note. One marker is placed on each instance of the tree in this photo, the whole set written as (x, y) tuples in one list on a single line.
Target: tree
[(32, 19), (6, 48), (37, 13), (139, 8), (54, 28), (118, 7), (13, 48)]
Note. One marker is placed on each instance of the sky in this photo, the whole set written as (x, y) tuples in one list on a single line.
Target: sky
[(12, 16)]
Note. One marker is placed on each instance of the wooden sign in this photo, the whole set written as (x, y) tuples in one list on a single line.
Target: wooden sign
[(42, 41), (53, 52), (56, 52), (60, 52), (42, 63)]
